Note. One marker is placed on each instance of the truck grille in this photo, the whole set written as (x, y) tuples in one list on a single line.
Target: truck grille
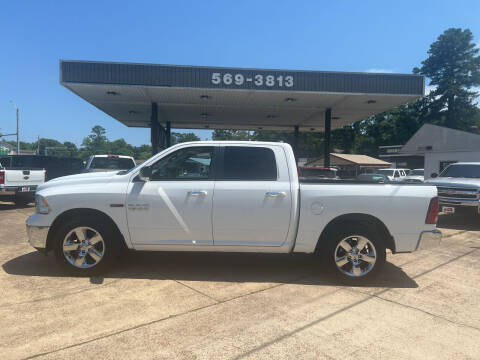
[(457, 193)]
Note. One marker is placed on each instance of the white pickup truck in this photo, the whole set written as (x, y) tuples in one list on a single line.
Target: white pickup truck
[(19, 185), (234, 197)]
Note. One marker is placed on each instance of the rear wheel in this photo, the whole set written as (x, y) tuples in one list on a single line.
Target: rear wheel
[(85, 246), (354, 253)]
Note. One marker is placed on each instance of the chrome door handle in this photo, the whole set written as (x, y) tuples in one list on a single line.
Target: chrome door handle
[(275, 194), (197, 193)]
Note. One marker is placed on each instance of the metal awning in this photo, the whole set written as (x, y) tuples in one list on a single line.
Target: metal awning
[(194, 97)]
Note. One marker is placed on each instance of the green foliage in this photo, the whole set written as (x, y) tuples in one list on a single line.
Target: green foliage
[(183, 137), (96, 142), (309, 144), (219, 134), (453, 67)]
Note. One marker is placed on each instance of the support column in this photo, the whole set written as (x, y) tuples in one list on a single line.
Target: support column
[(328, 127), (154, 129), (168, 135), (295, 141)]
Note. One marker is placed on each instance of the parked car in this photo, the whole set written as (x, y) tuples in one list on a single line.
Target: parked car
[(415, 176), (101, 163), (373, 178), (395, 175), (313, 172), (458, 187), (240, 197), (55, 166), (19, 184)]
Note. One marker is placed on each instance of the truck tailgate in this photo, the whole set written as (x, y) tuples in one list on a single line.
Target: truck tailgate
[(24, 177)]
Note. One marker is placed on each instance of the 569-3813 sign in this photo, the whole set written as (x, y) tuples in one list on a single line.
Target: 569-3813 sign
[(257, 80)]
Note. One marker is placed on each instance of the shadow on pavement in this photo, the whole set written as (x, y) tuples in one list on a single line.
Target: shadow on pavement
[(213, 267), (11, 206), (463, 221)]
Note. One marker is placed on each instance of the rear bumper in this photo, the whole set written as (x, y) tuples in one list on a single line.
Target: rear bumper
[(7, 191), (37, 236), (458, 202), (429, 239), (17, 190)]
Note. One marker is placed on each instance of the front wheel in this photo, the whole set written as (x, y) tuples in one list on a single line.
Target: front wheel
[(85, 247), (355, 253)]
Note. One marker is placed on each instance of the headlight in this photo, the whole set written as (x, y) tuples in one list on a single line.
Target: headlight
[(41, 205)]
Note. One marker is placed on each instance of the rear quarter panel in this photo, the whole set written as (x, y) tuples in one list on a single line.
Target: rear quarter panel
[(402, 208)]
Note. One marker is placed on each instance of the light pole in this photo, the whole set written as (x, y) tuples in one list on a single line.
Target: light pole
[(18, 139)]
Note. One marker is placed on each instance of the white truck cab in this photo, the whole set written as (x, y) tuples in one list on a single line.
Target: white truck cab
[(394, 174), (230, 196)]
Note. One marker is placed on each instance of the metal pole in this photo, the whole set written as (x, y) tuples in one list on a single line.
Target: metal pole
[(328, 127), (295, 141), (154, 129), (168, 134), (18, 139)]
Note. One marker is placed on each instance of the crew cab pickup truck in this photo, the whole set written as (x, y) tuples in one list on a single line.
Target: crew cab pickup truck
[(233, 197), (458, 187), (19, 185)]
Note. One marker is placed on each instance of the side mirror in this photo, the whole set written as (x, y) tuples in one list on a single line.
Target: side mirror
[(145, 173), (433, 175)]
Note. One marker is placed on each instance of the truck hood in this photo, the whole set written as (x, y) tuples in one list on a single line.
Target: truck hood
[(87, 178), (454, 182)]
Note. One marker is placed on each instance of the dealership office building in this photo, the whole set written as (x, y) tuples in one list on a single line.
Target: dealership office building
[(162, 97)]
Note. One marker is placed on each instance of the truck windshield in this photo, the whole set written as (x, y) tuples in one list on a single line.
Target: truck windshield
[(462, 171), (112, 163)]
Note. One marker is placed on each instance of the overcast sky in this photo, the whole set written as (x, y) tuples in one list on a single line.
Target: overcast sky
[(381, 36)]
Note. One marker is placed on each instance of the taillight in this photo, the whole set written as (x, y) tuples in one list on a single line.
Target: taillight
[(432, 214), (2, 177)]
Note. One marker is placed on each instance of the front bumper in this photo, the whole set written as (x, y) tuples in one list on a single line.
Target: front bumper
[(37, 236), (429, 239)]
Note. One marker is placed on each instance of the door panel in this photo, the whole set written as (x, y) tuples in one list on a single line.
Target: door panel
[(170, 212), (244, 214), (175, 206), (252, 212)]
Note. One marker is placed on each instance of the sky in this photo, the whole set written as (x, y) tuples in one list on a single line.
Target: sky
[(377, 36)]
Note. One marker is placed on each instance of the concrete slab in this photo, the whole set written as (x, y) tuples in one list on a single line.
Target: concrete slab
[(217, 306)]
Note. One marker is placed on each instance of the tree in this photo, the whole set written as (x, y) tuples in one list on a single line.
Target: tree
[(453, 67), (142, 152), (183, 137), (96, 142), (119, 147), (219, 134), (71, 148)]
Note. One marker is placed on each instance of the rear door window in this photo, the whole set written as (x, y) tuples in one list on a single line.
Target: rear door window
[(248, 163)]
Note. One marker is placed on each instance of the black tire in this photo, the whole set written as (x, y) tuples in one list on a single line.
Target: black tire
[(111, 246), (352, 232)]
